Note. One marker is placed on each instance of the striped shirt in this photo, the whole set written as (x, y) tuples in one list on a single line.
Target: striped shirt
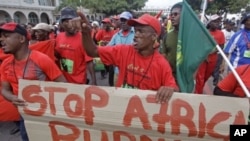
[(237, 46)]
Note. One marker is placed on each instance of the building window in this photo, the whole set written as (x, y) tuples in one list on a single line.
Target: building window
[(17, 18), (7, 18), (29, 1), (33, 18), (46, 2)]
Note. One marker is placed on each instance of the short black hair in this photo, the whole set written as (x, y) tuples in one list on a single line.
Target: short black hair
[(177, 5)]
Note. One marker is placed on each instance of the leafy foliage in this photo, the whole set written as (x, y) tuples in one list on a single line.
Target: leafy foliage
[(108, 7), (217, 6)]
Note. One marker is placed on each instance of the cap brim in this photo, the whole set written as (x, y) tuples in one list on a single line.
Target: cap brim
[(106, 22), (41, 29), (5, 30), (35, 28), (124, 17), (134, 22), (67, 17), (245, 19)]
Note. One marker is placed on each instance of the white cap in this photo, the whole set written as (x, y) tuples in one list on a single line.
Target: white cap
[(95, 23), (42, 26), (213, 17)]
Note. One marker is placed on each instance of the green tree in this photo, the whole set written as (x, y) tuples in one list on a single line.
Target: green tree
[(216, 6), (108, 7), (111, 7)]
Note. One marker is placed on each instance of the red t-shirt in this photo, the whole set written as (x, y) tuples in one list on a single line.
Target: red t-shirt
[(52, 35), (47, 47), (218, 37), (149, 72), (103, 35), (7, 110), (220, 40), (38, 66), (73, 59), (230, 84)]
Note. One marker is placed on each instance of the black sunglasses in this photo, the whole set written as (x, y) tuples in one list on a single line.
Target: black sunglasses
[(174, 14)]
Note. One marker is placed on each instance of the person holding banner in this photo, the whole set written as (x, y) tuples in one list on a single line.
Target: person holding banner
[(23, 64), (141, 66), (229, 86)]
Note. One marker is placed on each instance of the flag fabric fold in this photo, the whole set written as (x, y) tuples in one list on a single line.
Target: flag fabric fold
[(194, 45)]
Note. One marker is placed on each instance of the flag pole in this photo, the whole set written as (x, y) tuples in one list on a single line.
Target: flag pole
[(236, 75), (203, 10)]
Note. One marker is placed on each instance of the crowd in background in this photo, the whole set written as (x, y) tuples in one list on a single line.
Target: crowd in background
[(137, 53)]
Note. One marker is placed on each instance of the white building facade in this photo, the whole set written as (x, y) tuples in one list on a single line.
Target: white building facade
[(34, 11), (25, 11)]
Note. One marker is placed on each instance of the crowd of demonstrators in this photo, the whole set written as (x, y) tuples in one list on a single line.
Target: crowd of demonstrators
[(237, 48), (127, 46)]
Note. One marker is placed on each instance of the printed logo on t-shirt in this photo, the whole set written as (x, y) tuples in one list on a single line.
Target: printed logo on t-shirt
[(67, 65), (247, 54), (128, 86)]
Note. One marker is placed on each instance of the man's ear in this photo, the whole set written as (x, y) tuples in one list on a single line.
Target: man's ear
[(22, 39), (154, 37)]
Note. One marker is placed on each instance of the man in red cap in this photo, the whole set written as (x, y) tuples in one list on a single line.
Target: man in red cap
[(140, 65), (23, 64), (103, 36)]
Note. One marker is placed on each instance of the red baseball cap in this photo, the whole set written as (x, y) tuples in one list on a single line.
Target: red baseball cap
[(106, 20), (149, 20), (15, 28)]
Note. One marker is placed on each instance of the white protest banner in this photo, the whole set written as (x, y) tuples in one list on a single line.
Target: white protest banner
[(70, 112)]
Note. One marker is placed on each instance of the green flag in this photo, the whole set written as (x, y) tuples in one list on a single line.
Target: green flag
[(194, 45)]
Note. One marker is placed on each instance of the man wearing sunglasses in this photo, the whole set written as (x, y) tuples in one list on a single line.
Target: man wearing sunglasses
[(124, 36), (170, 39)]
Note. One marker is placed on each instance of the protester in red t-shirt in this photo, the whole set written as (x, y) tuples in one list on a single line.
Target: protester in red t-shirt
[(140, 65), (5, 113), (103, 37), (229, 86), (73, 59), (23, 64), (206, 69), (44, 44)]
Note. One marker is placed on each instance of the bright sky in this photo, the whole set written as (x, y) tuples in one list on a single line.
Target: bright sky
[(161, 3)]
